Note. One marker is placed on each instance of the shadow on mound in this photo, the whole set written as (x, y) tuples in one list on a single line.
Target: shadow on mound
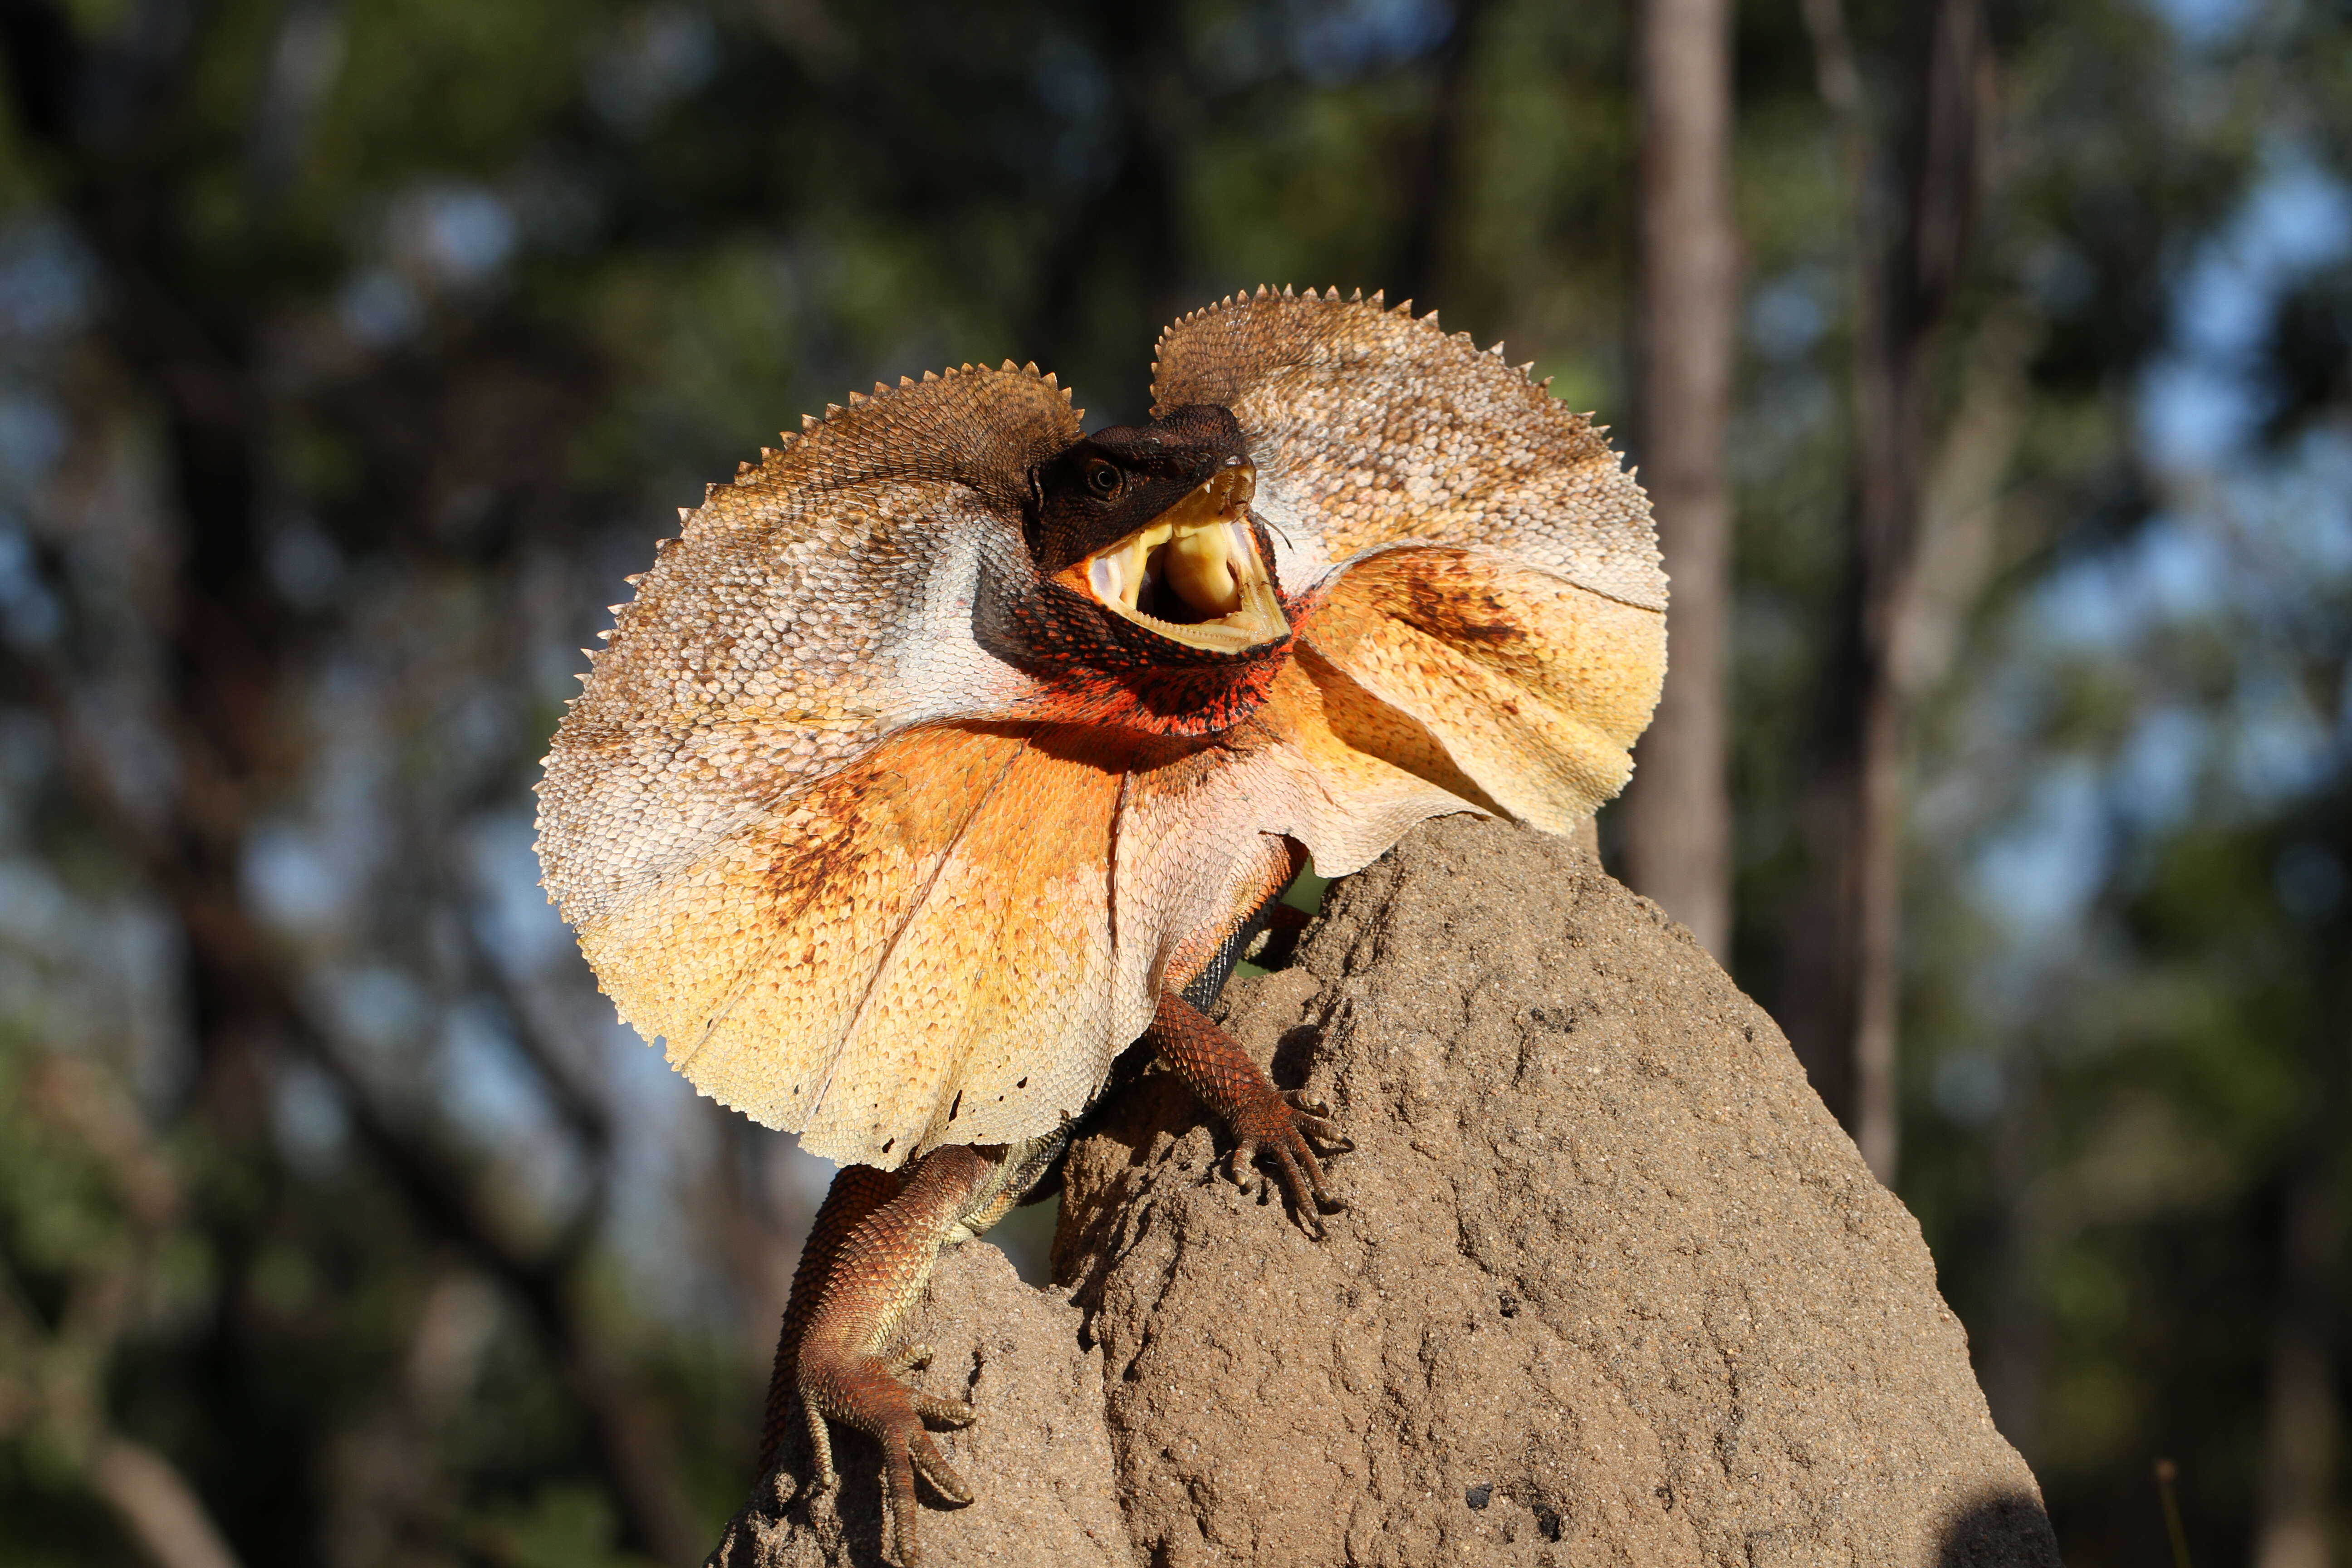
[(2002, 1529)]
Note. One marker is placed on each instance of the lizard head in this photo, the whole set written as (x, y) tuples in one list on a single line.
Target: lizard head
[(1154, 604), (1151, 523)]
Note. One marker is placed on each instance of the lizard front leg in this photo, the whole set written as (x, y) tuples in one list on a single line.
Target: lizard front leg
[(1279, 1122), (869, 1256)]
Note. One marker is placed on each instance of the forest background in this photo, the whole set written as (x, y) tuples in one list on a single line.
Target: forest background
[(353, 352)]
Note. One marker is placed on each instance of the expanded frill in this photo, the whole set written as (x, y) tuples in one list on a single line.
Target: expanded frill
[(894, 852)]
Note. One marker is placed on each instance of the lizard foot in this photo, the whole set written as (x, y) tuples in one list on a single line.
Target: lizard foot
[(863, 1392), (869, 1257), (1263, 1118), (1285, 1124)]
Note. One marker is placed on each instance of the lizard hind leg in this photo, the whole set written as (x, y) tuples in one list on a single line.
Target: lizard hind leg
[(855, 1193), (869, 1257)]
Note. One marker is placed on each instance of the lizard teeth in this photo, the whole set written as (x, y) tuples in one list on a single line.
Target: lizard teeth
[(1105, 576)]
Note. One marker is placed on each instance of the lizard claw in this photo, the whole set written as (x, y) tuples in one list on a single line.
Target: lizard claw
[(908, 1451), (1264, 1119), (1317, 1121)]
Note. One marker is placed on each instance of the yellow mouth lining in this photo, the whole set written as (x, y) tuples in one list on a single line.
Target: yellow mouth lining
[(1202, 552)]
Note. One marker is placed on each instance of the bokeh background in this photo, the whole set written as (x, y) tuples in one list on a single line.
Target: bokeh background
[(352, 351)]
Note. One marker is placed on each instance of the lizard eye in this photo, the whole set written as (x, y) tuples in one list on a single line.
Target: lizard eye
[(1104, 479)]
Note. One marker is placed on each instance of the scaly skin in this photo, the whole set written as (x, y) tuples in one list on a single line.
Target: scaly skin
[(887, 612), (1264, 1119), (844, 1368), (877, 1235), (855, 1193), (864, 1269)]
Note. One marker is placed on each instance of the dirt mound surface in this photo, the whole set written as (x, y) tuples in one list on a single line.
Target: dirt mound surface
[(1612, 1288)]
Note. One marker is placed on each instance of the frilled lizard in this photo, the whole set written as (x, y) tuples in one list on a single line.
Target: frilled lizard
[(948, 751)]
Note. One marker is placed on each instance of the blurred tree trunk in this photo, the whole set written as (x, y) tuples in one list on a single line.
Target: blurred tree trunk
[(1678, 815), (2301, 1445), (1905, 280), (1433, 167), (158, 1507)]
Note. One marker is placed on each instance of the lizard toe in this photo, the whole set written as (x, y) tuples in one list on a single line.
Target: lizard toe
[(908, 1451), (1314, 1118), (932, 1465), (947, 1412), (908, 1357), (901, 1543)]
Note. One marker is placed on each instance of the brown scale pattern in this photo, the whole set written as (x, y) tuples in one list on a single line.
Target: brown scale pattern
[(855, 1193), (844, 1370), (1279, 1123)]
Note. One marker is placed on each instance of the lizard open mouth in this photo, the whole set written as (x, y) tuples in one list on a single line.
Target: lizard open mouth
[(1192, 574)]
